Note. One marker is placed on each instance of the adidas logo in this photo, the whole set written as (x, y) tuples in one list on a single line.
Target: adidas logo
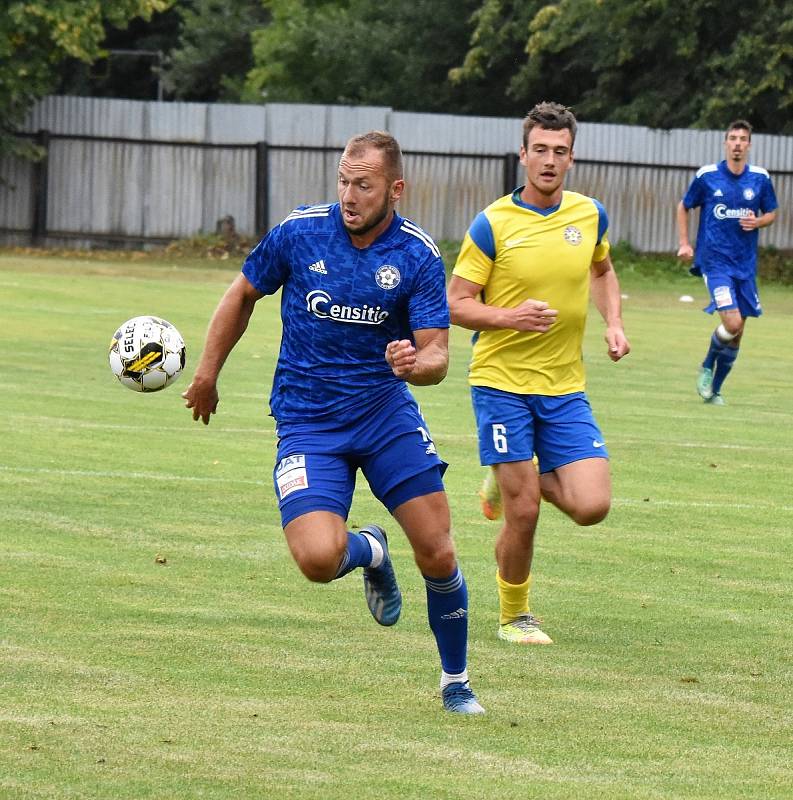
[(318, 266), (718, 193), (459, 614)]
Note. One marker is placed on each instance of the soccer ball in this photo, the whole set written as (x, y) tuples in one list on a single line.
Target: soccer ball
[(147, 354)]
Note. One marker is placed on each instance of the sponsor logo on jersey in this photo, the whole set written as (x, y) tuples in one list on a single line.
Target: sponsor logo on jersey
[(718, 193), (318, 266), (387, 277), (573, 235), (515, 242), (321, 305), (720, 211)]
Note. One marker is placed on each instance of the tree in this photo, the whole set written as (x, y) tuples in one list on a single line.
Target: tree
[(37, 36), (362, 51), (659, 63), (214, 51)]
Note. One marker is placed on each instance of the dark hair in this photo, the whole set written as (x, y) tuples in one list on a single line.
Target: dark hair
[(386, 144), (553, 117), (739, 125)]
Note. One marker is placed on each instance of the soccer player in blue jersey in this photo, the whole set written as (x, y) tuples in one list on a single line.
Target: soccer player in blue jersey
[(364, 313), (522, 281), (735, 199)]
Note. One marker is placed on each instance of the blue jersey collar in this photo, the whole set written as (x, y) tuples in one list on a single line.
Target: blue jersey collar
[(725, 170), (543, 211)]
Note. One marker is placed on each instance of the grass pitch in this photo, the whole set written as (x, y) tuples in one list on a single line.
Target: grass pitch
[(156, 640)]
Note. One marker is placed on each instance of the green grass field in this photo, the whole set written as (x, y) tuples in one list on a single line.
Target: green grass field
[(156, 640)]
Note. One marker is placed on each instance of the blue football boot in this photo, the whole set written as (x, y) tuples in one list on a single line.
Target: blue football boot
[(380, 584)]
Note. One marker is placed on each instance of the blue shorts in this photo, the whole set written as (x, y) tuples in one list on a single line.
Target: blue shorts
[(729, 294), (515, 427), (316, 463)]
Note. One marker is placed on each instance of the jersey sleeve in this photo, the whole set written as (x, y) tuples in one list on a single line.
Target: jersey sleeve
[(266, 266), (477, 253), (768, 200), (427, 306), (694, 196), (602, 247)]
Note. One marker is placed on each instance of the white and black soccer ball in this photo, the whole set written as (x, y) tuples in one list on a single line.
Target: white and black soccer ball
[(147, 354)]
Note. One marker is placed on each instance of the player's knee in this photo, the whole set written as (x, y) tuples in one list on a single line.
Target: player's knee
[(591, 513), (522, 515), (437, 560), (318, 567)]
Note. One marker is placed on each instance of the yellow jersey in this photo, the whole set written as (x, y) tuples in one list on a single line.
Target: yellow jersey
[(516, 252)]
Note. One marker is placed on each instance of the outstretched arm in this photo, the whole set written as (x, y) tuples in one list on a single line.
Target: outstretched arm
[(424, 363), (605, 290), (227, 325)]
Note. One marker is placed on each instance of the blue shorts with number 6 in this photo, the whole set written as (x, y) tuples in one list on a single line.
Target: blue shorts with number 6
[(515, 427)]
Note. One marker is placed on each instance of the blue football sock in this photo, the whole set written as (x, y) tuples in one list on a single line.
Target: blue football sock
[(716, 347), (357, 554), (723, 366), (447, 609)]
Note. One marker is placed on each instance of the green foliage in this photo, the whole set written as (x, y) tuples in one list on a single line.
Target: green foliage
[(361, 51), (158, 642), (214, 52), (662, 63), (36, 37)]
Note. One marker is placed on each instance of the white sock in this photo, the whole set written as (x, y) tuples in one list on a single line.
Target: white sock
[(447, 678), (377, 549)]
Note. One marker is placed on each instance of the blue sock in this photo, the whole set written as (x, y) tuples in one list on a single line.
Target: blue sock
[(447, 609), (716, 347), (723, 366), (357, 554)]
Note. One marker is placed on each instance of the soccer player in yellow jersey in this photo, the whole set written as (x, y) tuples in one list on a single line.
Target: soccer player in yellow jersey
[(522, 281)]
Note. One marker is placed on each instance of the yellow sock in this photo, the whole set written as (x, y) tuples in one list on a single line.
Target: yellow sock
[(513, 599)]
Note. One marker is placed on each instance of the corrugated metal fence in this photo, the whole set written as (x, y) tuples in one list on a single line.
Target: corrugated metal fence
[(132, 172)]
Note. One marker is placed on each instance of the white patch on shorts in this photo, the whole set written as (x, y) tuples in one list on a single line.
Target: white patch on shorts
[(291, 475), (722, 296)]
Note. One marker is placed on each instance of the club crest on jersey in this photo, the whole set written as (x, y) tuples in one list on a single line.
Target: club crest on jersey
[(748, 193), (387, 277), (573, 235)]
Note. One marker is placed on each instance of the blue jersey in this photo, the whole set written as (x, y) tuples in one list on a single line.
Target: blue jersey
[(340, 306), (722, 245)]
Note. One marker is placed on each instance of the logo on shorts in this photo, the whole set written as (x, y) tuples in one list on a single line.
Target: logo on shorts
[(722, 296), (573, 235), (596, 443), (291, 475), (387, 277)]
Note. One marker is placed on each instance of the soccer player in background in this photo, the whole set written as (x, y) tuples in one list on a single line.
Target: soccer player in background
[(364, 312), (522, 281), (735, 199)]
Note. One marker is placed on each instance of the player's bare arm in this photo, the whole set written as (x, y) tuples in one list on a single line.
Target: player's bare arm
[(468, 311), (685, 250), (753, 222), (227, 325), (424, 363), (605, 291)]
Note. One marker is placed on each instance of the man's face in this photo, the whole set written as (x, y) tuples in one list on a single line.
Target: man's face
[(547, 157), (366, 196), (736, 144)]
